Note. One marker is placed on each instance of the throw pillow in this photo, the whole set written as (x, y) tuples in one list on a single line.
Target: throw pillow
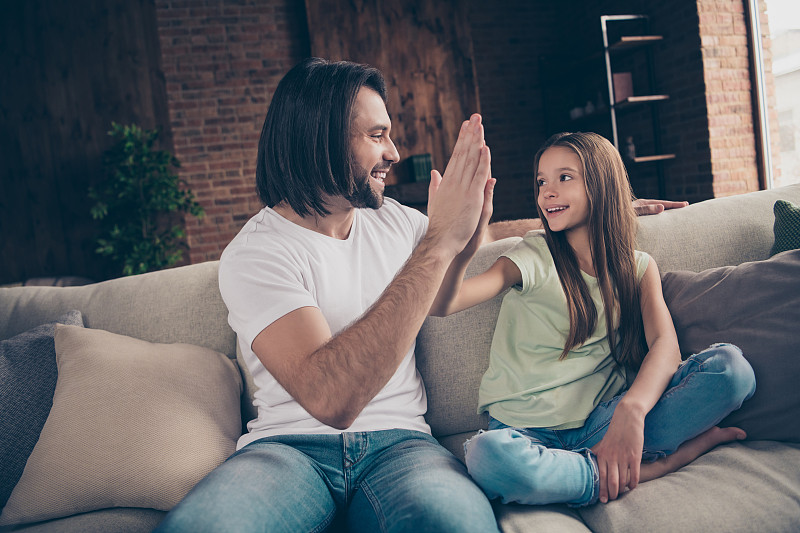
[(755, 306), (133, 424), (27, 381), (786, 228)]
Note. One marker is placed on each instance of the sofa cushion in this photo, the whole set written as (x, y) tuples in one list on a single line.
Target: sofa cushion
[(453, 353), (116, 520), (179, 304), (787, 227), (514, 518), (720, 231), (133, 424), (735, 488), (755, 306), (26, 402)]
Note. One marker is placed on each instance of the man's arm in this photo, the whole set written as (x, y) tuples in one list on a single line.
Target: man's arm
[(335, 377), (654, 207), (511, 228), (518, 228)]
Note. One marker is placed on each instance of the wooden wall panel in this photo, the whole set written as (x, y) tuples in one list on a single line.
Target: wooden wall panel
[(69, 70), (424, 50)]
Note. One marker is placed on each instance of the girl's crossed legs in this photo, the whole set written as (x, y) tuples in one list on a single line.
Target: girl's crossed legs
[(540, 466)]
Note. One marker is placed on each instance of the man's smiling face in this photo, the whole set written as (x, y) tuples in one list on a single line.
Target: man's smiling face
[(372, 148)]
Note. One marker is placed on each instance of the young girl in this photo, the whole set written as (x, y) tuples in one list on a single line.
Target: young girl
[(564, 426)]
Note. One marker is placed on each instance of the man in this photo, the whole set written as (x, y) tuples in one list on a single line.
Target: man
[(327, 288)]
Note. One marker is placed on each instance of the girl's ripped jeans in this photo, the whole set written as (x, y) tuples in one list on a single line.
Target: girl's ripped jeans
[(540, 466)]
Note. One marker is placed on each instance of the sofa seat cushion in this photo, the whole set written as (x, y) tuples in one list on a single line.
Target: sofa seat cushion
[(513, 518), (736, 488), (755, 306), (133, 424), (27, 381), (116, 520)]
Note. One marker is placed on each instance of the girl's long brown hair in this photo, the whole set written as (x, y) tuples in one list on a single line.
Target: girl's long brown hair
[(612, 236)]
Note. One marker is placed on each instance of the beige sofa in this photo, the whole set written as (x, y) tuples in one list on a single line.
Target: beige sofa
[(747, 486)]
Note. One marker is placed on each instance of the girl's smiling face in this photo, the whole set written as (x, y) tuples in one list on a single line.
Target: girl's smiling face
[(562, 189)]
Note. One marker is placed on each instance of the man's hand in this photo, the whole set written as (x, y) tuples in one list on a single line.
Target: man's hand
[(654, 207), (456, 201), (619, 454)]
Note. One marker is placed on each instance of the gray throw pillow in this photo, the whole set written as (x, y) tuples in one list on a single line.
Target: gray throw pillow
[(755, 306), (28, 375)]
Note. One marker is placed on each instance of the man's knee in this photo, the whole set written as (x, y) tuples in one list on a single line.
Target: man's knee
[(261, 486)]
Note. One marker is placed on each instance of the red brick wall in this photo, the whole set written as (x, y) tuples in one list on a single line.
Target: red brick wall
[(512, 38), (702, 64), (684, 121), (222, 61), (509, 38), (724, 47)]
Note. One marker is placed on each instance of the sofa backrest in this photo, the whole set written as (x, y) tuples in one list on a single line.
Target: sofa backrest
[(453, 352), (184, 305), (719, 232), (176, 305)]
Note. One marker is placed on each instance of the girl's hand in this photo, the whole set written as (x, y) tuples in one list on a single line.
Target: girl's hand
[(486, 214), (456, 200), (619, 454)]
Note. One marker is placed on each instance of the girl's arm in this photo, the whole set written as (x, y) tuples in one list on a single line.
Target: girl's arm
[(457, 294), (452, 296), (619, 454)]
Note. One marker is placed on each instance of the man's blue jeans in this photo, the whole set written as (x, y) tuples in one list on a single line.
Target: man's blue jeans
[(539, 466), (395, 480)]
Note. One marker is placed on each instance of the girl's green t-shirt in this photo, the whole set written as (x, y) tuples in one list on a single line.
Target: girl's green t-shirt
[(526, 385)]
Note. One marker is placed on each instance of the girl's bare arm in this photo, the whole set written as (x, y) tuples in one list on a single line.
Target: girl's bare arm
[(457, 294), (619, 454)]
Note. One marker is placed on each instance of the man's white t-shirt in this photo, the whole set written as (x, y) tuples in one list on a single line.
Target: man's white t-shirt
[(273, 267)]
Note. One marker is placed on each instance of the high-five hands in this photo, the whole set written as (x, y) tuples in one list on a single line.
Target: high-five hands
[(460, 199)]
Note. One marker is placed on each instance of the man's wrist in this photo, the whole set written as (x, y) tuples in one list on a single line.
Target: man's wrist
[(437, 248)]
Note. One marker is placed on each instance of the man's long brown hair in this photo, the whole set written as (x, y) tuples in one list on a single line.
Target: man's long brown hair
[(612, 235)]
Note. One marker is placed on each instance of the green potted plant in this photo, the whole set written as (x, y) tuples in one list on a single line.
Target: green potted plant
[(138, 201)]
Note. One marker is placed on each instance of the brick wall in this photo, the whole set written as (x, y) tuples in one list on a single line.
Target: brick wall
[(684, 119), (702, 64), (724, 47), (509, 38), (222, 61), (516, 43)]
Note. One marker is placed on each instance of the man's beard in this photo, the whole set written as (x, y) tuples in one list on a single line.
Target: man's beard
[(364, 196)]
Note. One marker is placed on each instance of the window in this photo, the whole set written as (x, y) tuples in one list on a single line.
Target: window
[(783, 18)]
